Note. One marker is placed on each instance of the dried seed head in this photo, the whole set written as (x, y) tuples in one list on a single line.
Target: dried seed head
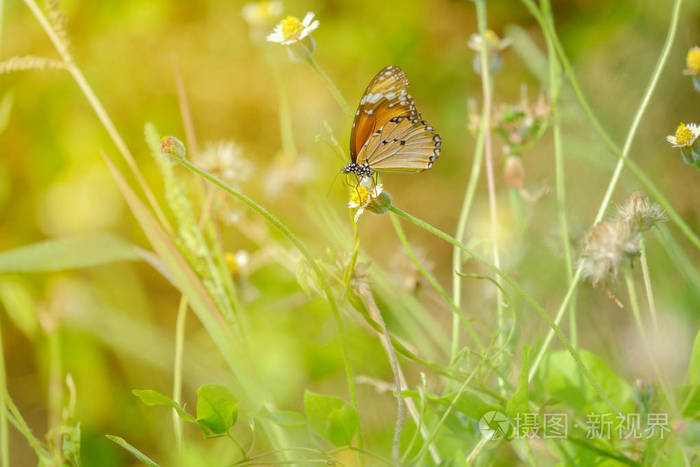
[(606, 245), (640, 213)]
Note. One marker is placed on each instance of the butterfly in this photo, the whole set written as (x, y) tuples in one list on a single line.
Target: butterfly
[(388, 134)]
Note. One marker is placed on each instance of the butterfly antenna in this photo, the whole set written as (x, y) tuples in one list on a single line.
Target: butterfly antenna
[(332, 185)]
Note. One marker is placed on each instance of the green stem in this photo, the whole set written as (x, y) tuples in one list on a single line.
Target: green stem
[(486, 86), (647, 284), (548, 28), (4, 433), (177, 367), (306, 254), (518, 288), (555, 86), (286, 129), (436, 285), (55, 387), (631, 290), (460, 232), (331, 86)]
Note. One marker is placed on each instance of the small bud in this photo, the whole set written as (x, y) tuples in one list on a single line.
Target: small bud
[(172, 148), (380, 204), (514, 172)]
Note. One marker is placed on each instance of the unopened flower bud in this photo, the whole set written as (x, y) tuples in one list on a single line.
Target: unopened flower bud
[(380, 204), (172, 148)]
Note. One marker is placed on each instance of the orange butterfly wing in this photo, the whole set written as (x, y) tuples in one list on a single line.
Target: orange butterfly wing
[(386, 97)]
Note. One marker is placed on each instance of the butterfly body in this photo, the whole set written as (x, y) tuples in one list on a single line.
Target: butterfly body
[(388, 134)]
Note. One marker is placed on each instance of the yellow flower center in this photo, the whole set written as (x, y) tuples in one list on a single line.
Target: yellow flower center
[(683, 135), (693, 60), (359, 195), (291, 28)]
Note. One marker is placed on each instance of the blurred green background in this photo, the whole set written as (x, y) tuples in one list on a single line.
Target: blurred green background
[(117, 321)]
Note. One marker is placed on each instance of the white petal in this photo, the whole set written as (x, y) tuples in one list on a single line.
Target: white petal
[(671, 139), (307, 19), (359, 213), (276, 35)]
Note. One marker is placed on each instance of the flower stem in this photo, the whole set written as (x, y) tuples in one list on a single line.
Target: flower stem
[(177, 367), (331, 86), (457, 255), (647, 285), (629, 281), (518, 288), (555, 86), (286, 130), (436, 285), (486, 86), (312, 263), (548, 28)]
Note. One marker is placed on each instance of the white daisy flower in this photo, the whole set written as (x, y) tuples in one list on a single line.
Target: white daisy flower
[(363, 195), (685, 136), (290, 30)]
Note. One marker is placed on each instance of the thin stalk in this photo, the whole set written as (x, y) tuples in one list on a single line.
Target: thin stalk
[(177, 368), (555, 87), (285, 115), (96, 105), (486, 86), (365, 292), (4, 433), (598, 128), (436, 285), (459, 235), (331, 86), (55, 387), (447, 412), (307, 255), (548, 27), (631, 290), (477, 450), (647, 284), (518, 288)]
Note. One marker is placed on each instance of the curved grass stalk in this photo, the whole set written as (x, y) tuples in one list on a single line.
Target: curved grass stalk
[(96, 105), (337, 95), (177, 368), (307, 255), (631, 290), (436, 285), (555, 87), (486, 84), (548, 28), (518, 288), (459, 235)]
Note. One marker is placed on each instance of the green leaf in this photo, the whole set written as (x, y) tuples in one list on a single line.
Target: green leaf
[(282, 417), (331, 418), (154, 398), (67, 253), (560, 377), (694, 366), (518, 403), (136, 453), (19, 305), (217, 408), (467, 403)]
